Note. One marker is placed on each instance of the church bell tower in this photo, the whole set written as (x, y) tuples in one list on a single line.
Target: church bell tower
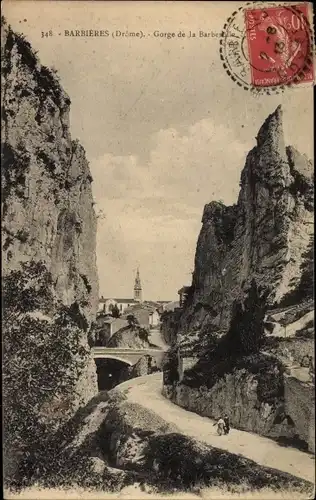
[(138, 288)]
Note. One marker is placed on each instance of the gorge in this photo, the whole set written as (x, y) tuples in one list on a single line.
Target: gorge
[(252, 274)]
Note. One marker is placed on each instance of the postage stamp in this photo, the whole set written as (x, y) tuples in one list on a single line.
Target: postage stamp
[(265, 47), (279, 45)]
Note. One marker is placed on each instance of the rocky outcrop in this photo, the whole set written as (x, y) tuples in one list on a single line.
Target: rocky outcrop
[(236, 394), (264, 237), (300, 405), (253, 268), (169, 325), (49, 229), (48, 210), (133, 337), (127, 428), (145, 366)]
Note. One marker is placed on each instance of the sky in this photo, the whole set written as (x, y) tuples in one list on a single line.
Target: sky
[(164, 127)]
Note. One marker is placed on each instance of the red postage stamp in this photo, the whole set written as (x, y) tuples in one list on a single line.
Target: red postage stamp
[(279, 45)]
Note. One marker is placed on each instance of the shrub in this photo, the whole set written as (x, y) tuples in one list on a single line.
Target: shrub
[(102, 336), (244, 337), (43, 356), (224, 219), (132, 320), (246, 332), (143, 334), (305, 333), (115, 312), (268, 371), (15, 163), (170, 367), (305, 288)]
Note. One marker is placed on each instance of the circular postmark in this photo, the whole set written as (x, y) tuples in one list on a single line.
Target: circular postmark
[(266, 47)]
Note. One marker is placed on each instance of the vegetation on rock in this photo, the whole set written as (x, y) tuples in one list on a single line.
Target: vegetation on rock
[(305, 288), (43, 357), (238, 350), (115, 312), (132, 320)]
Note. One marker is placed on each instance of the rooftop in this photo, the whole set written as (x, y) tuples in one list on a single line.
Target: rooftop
[(102, 300), (122, 301)]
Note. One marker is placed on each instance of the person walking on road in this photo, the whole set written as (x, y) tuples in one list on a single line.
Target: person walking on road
[(220, 426), (227, 424)]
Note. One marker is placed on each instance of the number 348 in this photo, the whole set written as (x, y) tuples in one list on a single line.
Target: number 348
[(46, 34)]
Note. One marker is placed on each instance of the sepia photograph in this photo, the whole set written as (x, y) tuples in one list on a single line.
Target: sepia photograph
[(157, 171)]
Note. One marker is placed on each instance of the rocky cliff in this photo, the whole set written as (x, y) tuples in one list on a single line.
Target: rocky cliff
[(264, 237), (49, 258), (289, 417), (48, 210), (253, 277)]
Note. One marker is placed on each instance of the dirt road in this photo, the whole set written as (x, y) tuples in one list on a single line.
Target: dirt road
[(147, 392)]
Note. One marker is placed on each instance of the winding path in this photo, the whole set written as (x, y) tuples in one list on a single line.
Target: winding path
[(147, 392)]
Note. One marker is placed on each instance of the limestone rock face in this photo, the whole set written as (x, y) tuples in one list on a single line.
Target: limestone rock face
[(145, 366), (129, 337), (47, 210), (236, 395), (300, 404), (264, 237), (126, 427)]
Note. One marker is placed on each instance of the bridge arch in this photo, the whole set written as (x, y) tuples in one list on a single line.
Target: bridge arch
[(111, 370), (117, 358)]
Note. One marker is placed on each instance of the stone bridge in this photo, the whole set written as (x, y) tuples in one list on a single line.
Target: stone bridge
[(129, 356)]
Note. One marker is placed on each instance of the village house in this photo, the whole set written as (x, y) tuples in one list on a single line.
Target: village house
[(106, 305), (147, 313)]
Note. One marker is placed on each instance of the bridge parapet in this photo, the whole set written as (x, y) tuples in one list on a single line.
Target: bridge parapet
[(129, 356)]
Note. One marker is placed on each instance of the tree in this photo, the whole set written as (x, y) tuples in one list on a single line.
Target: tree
[(43, 357), (306, 285), (115, 312), (143, 334), (305, 288), (132, 321), (246, 332)]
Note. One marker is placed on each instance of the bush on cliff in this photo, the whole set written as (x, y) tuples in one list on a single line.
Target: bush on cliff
[(305, 288), (240, 349), (43, 356), (224, 219), (244, 337), (246, 332), (170, 366)]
